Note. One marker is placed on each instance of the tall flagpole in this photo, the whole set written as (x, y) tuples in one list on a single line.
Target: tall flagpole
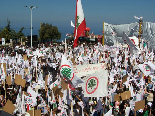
[(65, 46), (103, 36)]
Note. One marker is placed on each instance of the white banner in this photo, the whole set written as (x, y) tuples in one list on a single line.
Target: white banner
[(3, 41), (145, 68), (83, 70), (96, 84)]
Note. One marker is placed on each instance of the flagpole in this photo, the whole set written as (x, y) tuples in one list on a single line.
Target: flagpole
[(65, 46), (75, 37), (77, 96), (103, 36), (104, 108), (71, 101), (33, 110), (72, 108), (36, 70), (91, 110), (5, 91)]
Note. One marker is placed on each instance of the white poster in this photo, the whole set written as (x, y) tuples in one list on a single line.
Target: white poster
[(96, 84), (3, 41), (83, 70)]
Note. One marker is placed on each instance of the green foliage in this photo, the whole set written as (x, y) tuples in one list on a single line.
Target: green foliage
[(49, 32), (20, 34), (5, 33), (8, 27), (9, 33)]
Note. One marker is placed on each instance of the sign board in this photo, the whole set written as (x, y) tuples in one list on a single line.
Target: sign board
[(8, 80), (126, 95), (9, 107), (25, 57), (18, 79), (117, 97), (3, 41), (139, 105), (124, 79), (23, 82), (83, 70)]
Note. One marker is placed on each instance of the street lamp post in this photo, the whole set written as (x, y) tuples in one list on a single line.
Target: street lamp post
[(31, 7)]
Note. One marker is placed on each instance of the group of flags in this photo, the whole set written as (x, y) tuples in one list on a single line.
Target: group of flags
[(80, 27), (94, 85)]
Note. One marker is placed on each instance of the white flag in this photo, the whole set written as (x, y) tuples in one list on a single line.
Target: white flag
[(151, 65), (66, 71), (2, 72), (23, 104), (109, 113), (145, 68), (72, 24), (56, 83), (96, 84)]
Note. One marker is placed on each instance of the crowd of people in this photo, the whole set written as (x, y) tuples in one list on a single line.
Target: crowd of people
[(132, 74)]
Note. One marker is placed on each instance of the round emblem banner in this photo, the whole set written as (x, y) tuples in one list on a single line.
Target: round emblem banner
[(67, 72), (92, 85), (146, 67)]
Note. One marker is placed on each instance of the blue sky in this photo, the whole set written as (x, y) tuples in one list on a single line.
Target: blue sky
[(60, 12)]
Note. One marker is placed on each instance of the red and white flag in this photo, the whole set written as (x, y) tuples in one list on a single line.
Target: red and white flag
[(80, 23)]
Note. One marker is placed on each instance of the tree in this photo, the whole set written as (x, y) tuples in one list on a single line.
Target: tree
[(9, 33), (20, 34), (49, 32), (5, 33)]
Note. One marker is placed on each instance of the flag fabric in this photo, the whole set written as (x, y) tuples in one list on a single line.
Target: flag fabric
[(30, 53), (54, 101), (72, 24), (28, 107), (40, 53), (31, 92), (2, 72), (63, 112), (32, 101), (66, 71), (18, 101), (82, 106), (96, 84), (145, 68), (109, 113), (151, 65), (65, 96), (80, 23), (69, 96), (56, 83), (23, 104), (133, 49), (60, 101)]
